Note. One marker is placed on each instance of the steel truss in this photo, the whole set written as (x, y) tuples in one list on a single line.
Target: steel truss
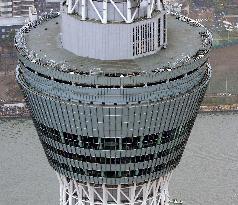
[(150, 193), (151, 5)]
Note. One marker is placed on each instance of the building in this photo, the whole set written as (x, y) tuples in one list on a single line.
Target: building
[(114, 89), (15, 8), (47, 5), (8, 25), (13, 15), (181, 6), (21, 8), (6, 8)]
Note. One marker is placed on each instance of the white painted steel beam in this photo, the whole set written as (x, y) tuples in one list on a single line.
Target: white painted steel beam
[(70, 2), (159, 5), (128, 4), (148, 8), (150, 193), (104, 19), (83, 9), (96, 10), (127, 16), (118, 10)]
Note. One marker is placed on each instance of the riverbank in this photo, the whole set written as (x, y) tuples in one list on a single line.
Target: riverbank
[(14, 110), (219, 108), (20, 110)]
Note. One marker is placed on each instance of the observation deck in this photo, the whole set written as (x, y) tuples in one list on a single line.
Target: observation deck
[(184, 40), (114, 130)]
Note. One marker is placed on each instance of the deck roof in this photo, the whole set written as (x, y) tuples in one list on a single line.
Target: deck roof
[(183, 39)]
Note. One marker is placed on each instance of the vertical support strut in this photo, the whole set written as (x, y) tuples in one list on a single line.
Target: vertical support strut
[(70, 192), (83, 10), (128, 16), (149, 9), (104, 18), (132, 192), (64, 195), (70, 6), (159, 5), (104, 195), (91, 194), (154, 193), (119, 194)]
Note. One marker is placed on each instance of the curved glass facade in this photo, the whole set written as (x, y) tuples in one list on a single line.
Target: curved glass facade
[(114, 144)]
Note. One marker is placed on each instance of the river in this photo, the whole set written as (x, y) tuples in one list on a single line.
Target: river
[(207, 174)]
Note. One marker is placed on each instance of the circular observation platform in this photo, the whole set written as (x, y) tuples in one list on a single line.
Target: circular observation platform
[(113, 122), (183, 39), (188, 49)]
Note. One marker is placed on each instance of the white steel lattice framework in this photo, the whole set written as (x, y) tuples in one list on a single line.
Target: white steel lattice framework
[(150, 193), (128, 17)]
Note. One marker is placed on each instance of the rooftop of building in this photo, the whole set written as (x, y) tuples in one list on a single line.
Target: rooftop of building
[(183, 39)]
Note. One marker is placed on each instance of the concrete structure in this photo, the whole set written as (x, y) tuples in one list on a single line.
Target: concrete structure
[(5, 8), (11, 24), (47, 5), (113, 126), (13, 15), (15, 8), (182, 6)]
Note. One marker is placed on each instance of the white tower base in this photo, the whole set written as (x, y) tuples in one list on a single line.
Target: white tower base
[(150, 193)]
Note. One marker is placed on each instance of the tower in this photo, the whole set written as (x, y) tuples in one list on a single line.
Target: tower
[(113, 105)]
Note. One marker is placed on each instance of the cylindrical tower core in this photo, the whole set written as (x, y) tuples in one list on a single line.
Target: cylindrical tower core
[(121, 30)]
